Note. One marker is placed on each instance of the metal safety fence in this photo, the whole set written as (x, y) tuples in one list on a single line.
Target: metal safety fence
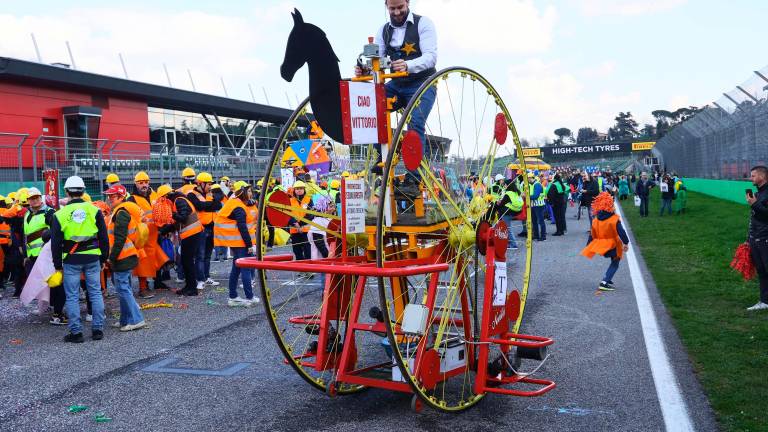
[(724, 139)]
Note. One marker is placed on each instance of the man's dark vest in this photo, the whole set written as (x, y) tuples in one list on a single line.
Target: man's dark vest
[(411, 40)]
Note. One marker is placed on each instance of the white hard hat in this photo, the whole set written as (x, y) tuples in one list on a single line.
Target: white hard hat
[(74, 182), (33, 191), (499, 177)]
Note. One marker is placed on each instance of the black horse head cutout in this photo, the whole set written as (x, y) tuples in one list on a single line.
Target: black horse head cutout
[(308, 44)]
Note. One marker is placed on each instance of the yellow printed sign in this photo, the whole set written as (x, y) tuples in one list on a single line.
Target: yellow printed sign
[(531, 152), (640, 146)]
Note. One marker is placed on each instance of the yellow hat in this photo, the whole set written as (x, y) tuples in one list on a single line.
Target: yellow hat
[(345, 174), (216, 186), (224, 178), (141, 176), (239, 186), (205, 177), (11, 196), (335, 184), (299, 184), (260, 183), (86, 197), (21, 196), (112, 178), (188, 172), (163, 190)]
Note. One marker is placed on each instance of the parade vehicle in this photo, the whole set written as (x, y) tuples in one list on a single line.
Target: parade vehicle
[(418, 292)]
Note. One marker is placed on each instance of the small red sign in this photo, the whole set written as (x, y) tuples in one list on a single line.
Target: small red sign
[(51, 179)]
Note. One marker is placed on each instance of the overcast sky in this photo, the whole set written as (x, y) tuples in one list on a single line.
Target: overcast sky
[(556, 63)]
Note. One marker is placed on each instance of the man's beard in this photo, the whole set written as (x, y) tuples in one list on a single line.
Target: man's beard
[(394, 21)]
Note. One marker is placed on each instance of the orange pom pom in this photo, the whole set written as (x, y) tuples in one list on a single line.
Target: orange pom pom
[(603, 202), (162, 212), (742, 261)]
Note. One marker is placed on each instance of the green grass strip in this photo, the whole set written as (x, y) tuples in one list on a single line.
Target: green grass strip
[(689, 256)]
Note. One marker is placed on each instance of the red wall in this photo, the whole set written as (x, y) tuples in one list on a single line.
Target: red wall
[(24, 108)]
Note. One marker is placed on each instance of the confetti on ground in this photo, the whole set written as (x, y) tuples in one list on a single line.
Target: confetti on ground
[(15, 341), (100, 417), (146, 306), (183, 306), (77, 408)]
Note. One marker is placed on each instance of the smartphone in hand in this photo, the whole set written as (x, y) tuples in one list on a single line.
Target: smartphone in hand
[(750, 193)]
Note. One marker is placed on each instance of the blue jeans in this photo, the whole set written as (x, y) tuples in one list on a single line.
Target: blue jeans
[(72, 274), (612, 268), (203, 255), (130, 313), (404, 93), (509, 219), (538, 223), (665, 203), (236, 272)]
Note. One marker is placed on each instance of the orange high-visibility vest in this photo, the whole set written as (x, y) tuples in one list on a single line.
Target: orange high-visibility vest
[(129, 248), (192, 225), (5, 234), (297, 211), (252, 215), (225, 232), (186, 188), (605, 237), (146, 206), (205, 217)]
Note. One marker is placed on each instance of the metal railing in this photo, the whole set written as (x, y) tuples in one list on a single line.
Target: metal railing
[(723, 140)]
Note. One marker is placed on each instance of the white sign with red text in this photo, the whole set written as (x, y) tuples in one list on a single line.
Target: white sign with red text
[(354, 206), (362, 109)]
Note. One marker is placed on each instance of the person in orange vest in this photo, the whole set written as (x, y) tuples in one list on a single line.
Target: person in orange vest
[(5, 244), (144, 196), (122, 230), (233, 228), (190, 231), (221, 253), (607, 238), (206, 207), (300, 201)]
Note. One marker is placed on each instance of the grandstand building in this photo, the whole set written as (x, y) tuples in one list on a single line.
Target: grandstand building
[(52, 116)]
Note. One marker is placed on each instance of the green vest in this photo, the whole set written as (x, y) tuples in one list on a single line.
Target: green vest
[(78, 224), (538, 202), (600, 184), (34, 226), (333, 194), (560, 187), (515, 203)]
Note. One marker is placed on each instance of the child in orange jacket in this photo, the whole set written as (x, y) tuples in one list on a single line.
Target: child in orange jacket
[(607, 238)]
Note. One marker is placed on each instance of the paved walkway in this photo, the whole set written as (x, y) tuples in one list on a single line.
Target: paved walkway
[(599, 361)]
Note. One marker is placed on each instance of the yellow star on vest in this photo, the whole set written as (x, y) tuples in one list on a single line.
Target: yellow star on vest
[(408, 48)]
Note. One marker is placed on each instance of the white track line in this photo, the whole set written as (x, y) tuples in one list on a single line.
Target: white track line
[(676, 417)]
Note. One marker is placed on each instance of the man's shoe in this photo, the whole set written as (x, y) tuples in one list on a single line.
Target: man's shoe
[(74, 338), (131, 327), (97, 335), (161, 286), (212, 282), (236, 302), (557, 234), (610, 284), (145, 295), (58, 320), (89, 318), (200, 285), (523, 234), (178, 281), (604, 286), (758, 306), (251, 302)]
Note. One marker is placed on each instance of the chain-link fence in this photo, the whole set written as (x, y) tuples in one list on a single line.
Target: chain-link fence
[(723, 140)]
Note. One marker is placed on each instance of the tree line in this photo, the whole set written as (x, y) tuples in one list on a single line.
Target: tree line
[(626, 128)]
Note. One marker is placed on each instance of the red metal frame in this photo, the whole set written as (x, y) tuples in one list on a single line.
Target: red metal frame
[(341, 273)]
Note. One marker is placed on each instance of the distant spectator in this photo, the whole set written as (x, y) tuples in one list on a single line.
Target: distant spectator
[(681, 196), (642, 190), (667, 189), (758, 232), (589, 190), (623, 188)]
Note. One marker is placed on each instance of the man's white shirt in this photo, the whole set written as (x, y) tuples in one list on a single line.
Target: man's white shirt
[(427, 43)]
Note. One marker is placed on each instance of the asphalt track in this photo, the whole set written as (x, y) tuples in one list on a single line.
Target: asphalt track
[(210, 367)]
